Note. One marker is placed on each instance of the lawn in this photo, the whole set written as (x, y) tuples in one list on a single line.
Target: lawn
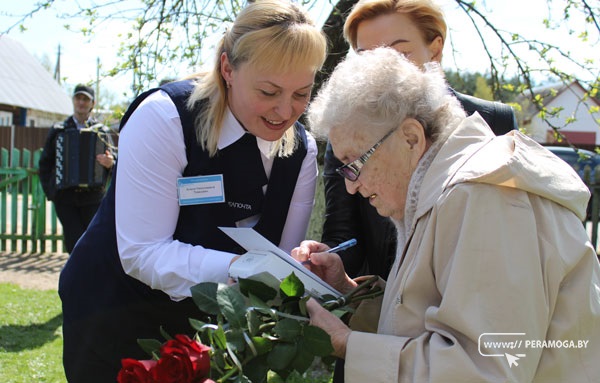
[(30, 336)]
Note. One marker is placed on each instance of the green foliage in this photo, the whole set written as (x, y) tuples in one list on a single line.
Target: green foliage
[(483, 90), (317, 217), (481, 85), (30, 336), (250, 336)]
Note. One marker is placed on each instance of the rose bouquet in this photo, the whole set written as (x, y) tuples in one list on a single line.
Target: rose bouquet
[(180, 360), (253, 327)]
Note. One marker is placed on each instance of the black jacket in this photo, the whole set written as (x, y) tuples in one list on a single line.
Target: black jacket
[(47, 169), (351, 216)]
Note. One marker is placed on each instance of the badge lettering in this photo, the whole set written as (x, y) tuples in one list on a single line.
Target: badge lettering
[(239, 205)]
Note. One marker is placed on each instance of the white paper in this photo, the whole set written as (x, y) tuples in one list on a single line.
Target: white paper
[(256, 244)]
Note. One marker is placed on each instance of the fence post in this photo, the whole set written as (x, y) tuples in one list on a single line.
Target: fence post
[(14, 159), (38, 205), (25, 206), (3, 200)]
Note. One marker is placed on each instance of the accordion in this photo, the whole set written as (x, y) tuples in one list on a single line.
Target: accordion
[(76, 164)]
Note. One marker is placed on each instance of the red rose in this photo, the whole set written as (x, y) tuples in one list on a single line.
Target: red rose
[(174, 366), (182, 360), (136, 371)]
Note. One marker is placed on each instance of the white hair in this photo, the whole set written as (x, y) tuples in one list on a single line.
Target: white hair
[(379, 89)]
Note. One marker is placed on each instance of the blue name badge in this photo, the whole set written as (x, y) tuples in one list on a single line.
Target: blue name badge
[(200, 190)]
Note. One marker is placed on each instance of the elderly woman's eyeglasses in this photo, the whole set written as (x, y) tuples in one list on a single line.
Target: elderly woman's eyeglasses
[(351, 171)]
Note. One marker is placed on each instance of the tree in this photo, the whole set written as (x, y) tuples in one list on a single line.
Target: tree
[(581, 17), (482, 89), (173, 31)]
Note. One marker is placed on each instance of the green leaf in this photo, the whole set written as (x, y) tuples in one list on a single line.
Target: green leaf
[(288, 329), (263, 308), (197, 325), (317, 341), (257, 288), (165, 334), (302, 306), (303, 359), (218, 338), (150, 346), (254, 322), (232, 305), (280, 357), (217, 361), (290, 306), (205, 297), (328, 360), (256, 369), (235, 340), (257, 302), (292, 286), (262, 345)]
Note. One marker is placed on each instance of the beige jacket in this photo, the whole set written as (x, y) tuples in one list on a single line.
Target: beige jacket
[(496, 253)]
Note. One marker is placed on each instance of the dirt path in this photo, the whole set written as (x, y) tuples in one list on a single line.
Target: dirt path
[(32, 271)]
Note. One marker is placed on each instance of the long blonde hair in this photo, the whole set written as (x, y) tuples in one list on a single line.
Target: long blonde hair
[(271, 35)]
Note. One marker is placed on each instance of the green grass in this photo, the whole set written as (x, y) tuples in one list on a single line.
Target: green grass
[(30, 336)]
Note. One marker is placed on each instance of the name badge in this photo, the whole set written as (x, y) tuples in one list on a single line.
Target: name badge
[(200, 190)]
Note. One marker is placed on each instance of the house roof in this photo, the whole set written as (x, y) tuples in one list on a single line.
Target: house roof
[(550, 92), (26, 83), (553, 90)]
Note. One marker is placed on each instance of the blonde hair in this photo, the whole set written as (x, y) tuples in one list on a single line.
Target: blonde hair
[(271, 35), (425, 14)]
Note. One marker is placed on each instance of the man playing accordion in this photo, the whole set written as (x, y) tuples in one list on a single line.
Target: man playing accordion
[(75, 166)]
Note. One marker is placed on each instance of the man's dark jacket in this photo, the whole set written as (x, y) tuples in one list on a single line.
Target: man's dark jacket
[(47, 170)]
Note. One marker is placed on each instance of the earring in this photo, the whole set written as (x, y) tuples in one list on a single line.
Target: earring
[(228, 85)]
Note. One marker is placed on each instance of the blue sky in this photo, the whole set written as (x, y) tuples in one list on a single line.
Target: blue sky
[(79, 55)]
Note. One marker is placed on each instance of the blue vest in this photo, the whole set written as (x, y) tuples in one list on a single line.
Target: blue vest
[(110, 310)]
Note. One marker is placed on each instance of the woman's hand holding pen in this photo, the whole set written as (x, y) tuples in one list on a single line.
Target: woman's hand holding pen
[(328, 266)]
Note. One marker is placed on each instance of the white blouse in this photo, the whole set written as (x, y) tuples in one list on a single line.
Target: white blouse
[(151, 158)]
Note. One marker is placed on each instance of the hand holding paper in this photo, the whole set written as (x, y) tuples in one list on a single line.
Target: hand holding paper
[(264, 257)]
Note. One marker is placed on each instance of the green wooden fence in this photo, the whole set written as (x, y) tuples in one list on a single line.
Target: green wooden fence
[(28, 222)]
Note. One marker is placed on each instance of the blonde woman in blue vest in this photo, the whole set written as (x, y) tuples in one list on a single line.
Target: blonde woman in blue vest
[(231, 133)]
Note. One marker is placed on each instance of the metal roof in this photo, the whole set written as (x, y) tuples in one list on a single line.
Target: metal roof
[(25, 83)]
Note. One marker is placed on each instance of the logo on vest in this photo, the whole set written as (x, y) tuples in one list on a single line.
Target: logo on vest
[(239, 205)]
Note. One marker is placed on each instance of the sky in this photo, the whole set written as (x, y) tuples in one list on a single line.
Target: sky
[(80, 55)]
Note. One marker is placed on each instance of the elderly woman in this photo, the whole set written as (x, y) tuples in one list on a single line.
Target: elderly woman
[(497, 280)]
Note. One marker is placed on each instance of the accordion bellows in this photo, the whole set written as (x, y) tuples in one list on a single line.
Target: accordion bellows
[(76, 164)]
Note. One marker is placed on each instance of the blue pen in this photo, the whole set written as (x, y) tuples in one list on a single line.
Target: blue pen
[(342, 246)]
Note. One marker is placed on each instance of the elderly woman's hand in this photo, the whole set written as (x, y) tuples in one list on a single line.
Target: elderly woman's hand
[(328, 266), (331, 324)]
